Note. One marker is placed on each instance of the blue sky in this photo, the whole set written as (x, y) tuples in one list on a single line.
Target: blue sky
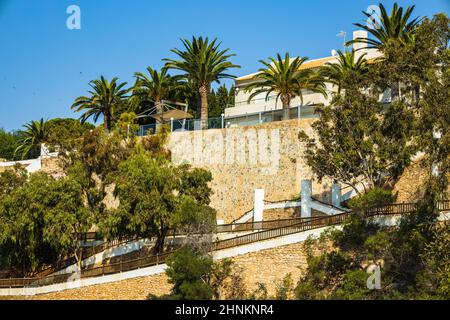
[(44, 66)]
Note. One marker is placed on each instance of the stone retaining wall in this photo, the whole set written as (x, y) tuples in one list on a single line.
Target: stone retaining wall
[(266, 156), (266, 266)]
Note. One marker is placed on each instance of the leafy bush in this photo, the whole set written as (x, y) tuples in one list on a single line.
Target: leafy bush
[(374, 198), (195, 276), (352, 287)]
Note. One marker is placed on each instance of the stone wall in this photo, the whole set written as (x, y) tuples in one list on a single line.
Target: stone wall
[(410, 185), (267, 156), (266, 266)]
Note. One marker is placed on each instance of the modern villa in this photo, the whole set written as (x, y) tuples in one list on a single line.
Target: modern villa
[(260, 105)]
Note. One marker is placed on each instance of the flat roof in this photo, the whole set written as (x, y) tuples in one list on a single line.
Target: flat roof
[(310, 64)]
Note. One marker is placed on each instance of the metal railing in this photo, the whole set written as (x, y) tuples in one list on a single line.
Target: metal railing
[(151, 260), (302, 226), (403, 208), (297, 112), (122, 266)]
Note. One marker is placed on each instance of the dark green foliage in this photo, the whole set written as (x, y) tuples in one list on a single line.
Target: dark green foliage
[(358, 147), (188, 272), (376, 197), (64, 132), (195, 276), (202, 62), (352, 287), (156, 197), (220, 100), (413, 258), (107, 99), (355, 231), (285, 78), (39, 220), (9, 141), (35, 134)]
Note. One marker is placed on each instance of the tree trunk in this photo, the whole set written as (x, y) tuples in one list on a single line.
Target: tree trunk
[(286, 101), (159, 244), (107, 116), (158, 106), (203, 91)]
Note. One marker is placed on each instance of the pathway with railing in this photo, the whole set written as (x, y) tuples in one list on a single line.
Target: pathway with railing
[(153, 260)]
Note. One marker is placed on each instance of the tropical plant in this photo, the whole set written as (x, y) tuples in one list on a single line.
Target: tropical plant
[(35, 134), (395, 37), (106, 97), (152, 89), (202, 62), (8, 143), (396, 27), (347, 69), (287, 79)]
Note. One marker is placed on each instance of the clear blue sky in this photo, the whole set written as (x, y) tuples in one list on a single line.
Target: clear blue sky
[(44, 66)]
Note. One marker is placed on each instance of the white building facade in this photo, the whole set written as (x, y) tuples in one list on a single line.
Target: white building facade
[(259, 104)]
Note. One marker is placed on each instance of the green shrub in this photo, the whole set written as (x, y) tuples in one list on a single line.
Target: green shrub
[(374, 198), (353, 286)]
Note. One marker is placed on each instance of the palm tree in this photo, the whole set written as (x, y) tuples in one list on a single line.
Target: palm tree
[(105, 98), (287, 79), (202, 62), (396, 27), (158, 86), (347, 68), (35, 134)]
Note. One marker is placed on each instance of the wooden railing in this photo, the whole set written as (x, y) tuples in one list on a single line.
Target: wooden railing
[(152, 260)]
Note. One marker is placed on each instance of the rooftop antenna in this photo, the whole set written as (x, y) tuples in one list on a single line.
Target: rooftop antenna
[(343, 34)]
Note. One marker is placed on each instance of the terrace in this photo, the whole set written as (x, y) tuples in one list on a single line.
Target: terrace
[(248, 119)]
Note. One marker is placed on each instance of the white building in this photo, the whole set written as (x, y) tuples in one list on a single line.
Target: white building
[(259, 103)]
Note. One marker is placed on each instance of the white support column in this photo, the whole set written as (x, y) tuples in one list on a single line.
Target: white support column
[(258, 211), (336, 195), (306, 193)]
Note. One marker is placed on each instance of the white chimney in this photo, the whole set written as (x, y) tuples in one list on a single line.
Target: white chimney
[(360, 47), (359, 34)]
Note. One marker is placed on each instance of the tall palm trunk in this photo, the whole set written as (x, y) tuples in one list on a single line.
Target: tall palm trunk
[(158, 106), (159, 109), (203, 90), (286, 101), (107, 116)]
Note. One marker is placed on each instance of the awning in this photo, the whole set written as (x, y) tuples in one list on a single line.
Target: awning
[(175, 114)]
